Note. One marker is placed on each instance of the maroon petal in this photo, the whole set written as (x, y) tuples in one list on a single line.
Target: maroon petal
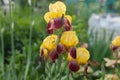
[(67, 24), (40, 58), (114, 48), (73, 52), (58, 23), (60, 48), (50, 27), (41, 55), (53, 55), (73, 66), (42, 52), (85, 68)]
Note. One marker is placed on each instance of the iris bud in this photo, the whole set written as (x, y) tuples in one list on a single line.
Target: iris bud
[(53, 55), (73, 66), (60, 48), (73, 52)]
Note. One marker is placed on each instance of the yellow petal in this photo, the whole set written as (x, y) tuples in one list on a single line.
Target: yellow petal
[(53, 7), (49, 42), (51, 15), (69, 39), (44, 50), (41, 46), (69, 58), (69, 18), (82, 55), (47, 17), (116, 41), (57, 7)]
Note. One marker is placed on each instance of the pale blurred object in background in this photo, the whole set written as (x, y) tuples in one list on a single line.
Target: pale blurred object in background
[(108, 23), (5, 5)]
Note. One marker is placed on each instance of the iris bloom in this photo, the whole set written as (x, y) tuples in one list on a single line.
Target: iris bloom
[(56, 17), (49, 44), (56, 10), (82, 56), (116, 41), (69, 39)]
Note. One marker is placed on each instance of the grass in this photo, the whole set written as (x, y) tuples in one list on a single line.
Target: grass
[(22, 30)]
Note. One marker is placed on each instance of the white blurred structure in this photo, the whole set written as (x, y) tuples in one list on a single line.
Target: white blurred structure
[(5, 5), (110, 23)]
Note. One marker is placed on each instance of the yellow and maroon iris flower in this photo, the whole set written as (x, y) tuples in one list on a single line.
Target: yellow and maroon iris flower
[(116, 41), (56, 10), (82, 56), (56, 17), (76, 57), (49, 44)]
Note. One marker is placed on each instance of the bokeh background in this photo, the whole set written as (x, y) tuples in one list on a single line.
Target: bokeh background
[(23, 28)]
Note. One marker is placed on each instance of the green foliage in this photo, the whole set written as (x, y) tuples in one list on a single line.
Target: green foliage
[(29, 32), (99, 46)]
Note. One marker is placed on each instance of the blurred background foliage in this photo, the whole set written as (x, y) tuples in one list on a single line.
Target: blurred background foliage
[(23, 14)]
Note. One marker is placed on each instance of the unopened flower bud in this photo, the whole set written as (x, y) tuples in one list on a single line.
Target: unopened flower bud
[(73, 52), (73, 66), (60, 48), (53, 55)]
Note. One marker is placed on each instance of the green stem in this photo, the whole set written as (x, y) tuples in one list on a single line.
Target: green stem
[(103, 70), (2, 42), (29, 45), (29, 54), (116, 64), (68, 74), (12, 27), (48, 70), (2, 46), (12, 42)]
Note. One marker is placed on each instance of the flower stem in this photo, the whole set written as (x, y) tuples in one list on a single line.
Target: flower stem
[(12, 42), (29, 44), (116, 63), (2, 46)]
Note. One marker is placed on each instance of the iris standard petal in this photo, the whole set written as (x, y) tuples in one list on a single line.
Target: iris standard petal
[(69, 39), (116, 41), (82, 55), (57, 7), (49, 42)]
